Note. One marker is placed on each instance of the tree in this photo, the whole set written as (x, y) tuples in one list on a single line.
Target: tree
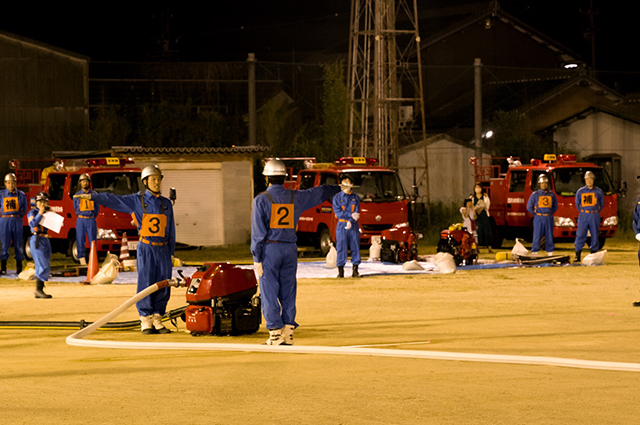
[(513, 136), (334, 113)]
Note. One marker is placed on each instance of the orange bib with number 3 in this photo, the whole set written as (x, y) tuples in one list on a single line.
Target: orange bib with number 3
[(153, 225), (544, 202), (281, 216)]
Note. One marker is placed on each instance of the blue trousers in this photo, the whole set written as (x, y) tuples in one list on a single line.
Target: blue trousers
[(590, 222), (278, 284), (153, 264), (86, 228), (11, 230), (347, 239), (542, 226), (41, 256)]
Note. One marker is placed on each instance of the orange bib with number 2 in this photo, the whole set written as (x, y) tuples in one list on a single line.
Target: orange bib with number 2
[(153, 225), (281, 216)]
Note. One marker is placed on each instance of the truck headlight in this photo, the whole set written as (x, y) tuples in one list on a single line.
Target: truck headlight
[(611, 221), (563, 222), (106, 234)]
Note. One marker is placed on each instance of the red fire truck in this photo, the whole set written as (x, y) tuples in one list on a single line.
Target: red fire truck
[(383, 202), (113, 175), (510, 191)]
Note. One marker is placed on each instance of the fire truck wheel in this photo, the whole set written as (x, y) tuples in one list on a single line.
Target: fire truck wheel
[(26, 248), (73, 250), (324, 241)]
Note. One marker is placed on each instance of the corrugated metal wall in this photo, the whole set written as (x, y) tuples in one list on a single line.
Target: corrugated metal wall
[(43, 99)]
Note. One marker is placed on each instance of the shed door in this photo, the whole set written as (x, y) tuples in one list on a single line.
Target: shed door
[(198, 208)]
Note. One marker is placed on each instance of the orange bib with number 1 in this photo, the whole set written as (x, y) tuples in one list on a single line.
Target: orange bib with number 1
[(281, 216), (153, 225)]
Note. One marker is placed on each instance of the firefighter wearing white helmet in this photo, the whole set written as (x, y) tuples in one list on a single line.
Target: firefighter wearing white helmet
[(542, 205), (153, 214), (346, 207), (274, 218), (589, 203), (13, 207), (86, 213), (39, 243)]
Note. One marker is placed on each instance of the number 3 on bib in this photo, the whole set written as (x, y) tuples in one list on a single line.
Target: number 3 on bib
[(153, 225), (281, 216)]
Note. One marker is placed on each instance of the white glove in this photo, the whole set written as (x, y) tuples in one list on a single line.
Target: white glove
[(348, 226), (638, 236), (258, 268), (355, 216), (83, 196)]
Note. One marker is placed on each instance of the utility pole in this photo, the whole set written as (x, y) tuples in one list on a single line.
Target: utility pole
[(477, 106), (251, 59), (590, 34)]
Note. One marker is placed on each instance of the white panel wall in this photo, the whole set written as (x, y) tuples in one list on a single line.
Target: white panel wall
[(237, 190)]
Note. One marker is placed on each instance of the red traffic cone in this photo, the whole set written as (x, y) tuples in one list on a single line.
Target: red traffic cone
[(92, 269), (124, 251)]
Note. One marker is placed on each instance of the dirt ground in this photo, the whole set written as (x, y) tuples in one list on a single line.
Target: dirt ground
[(570, 312)]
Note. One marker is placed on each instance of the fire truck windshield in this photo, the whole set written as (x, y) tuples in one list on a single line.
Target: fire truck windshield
[(567, 181), (376, 186), (117, 183)]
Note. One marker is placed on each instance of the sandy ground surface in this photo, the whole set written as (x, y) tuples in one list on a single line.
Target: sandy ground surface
[(571, 312)]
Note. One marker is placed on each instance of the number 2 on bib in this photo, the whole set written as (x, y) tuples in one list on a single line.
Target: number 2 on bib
[(281, 216)]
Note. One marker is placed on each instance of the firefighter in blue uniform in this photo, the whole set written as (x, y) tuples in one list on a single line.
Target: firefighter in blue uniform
[(542, 204), (153, 214), (13, 203), (636, 231), (274, 219), (346, 206), (86, 211), (39, 244), (589, 202)]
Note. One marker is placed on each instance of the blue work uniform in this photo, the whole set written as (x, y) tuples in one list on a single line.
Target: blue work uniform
[(13, 206), (344, 205), (40, 246), (154, 217), (589, 203), (636, 222), (86, 227), (542, 204), (274, 219)]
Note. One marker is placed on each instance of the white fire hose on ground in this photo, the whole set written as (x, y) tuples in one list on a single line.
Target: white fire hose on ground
[(76, 339)]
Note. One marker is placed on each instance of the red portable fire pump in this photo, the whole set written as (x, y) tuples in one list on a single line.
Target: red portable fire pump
[(399, 244), (457, 241), (222, 300)]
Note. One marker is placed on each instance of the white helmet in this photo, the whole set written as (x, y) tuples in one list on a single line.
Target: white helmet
[(589, 175), (84, 176), (543, 179), (150, 170), (274, 167), (10, 177)]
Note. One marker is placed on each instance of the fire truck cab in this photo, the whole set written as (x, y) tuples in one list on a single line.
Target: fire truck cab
[(113, 175), (383, 202), (509, 193)]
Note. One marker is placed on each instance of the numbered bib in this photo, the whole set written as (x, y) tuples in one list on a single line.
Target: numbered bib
[(589, 199), (86, 205), (282, 216), (153, 225), (544, 202), (11, 204)]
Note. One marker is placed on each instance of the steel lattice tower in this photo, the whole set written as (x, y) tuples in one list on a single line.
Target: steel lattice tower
[(386, 107)]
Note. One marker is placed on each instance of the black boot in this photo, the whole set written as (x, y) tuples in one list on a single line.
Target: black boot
[(18, 267), (355, 272), (340, 271), (578, 254), (40, 290), (3, 267)]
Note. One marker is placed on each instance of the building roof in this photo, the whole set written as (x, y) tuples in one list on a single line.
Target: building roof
[(233, 150), (39, 44)]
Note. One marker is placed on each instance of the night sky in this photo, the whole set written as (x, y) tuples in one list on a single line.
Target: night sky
[(215, 30)]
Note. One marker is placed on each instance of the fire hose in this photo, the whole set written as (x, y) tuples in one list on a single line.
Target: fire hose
[(77, 340)]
